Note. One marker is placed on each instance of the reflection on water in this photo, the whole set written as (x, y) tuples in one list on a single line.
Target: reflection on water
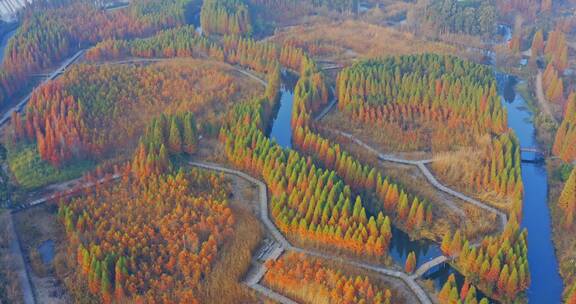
[(401, 245), (281, 128)]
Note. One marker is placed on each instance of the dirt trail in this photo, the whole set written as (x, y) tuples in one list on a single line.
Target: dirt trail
[(544, 106), (19, 265)]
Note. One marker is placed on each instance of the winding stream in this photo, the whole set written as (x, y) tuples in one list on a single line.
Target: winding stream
[(546, 284)]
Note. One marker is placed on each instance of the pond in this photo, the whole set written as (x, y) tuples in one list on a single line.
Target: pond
[(281, 129), (46, 250)]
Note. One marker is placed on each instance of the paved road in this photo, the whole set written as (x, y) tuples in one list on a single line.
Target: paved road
[(416, 289), (18, 107)]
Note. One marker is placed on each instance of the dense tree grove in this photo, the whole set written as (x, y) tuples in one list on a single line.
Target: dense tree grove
[(570, 294), (440, 103), (499, 266), (178, 42), (553, 84), (161, 254), (307, 202), (467, 295), (496, 169), (408, 210), (226, 17), (556, 50), (556, 54), (49, 35), (184, 42), (567, 201), (67, 117), (343, 6), (311, 95), (527, 8), (312, 282), (564, 144), (165, 136), (177, 132), (426, 100), (262, 56), (468, 17)]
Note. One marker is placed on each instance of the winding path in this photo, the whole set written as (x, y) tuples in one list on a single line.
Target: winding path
[(421, 164), (159, 59), (285, 244)]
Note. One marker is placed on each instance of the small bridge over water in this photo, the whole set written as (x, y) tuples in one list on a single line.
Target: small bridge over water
[(533, 155), (430, 265)]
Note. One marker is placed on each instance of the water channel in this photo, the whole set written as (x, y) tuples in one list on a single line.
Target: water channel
[(546, 284)]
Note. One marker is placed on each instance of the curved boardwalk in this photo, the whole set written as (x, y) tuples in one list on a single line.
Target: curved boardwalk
[(410, 281), (421, 164)]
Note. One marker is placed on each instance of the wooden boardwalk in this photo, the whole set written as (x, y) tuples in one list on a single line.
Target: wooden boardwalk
[(417, 290)]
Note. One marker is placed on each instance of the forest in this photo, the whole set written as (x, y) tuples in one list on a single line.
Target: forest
[(466, 294), (226, 17), (438, 104), (312, 282), (342, 6), (566, 135), (48, 36), (165, 87), (66, 117), (499, 266), (468, 17), (454, 99), (4, 179), (309, 203), (120, 257), (177, 42)]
